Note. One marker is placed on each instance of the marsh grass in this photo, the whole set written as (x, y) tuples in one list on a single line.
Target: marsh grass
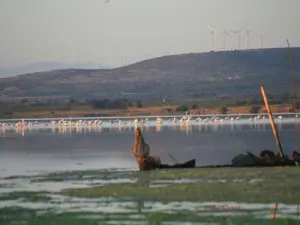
[(182, 189), (222, 184), (31, 217), (25, 196)]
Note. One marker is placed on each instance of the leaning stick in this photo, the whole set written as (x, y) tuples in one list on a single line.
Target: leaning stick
[(276, 136)]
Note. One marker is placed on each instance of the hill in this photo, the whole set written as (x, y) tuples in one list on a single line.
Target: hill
[(189, 76), (45, 66)]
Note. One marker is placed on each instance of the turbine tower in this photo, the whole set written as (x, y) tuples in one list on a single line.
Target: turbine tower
[(213, 32), (225, 34), (237, 32), (121, 61), (248, 31), (261, 41)]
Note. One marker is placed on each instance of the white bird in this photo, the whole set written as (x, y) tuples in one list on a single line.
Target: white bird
[(136, 122), (159, 121)]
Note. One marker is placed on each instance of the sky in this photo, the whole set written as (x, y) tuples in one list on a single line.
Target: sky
[(127, 31)]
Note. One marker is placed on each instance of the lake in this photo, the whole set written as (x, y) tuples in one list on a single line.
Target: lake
[(53, 172)]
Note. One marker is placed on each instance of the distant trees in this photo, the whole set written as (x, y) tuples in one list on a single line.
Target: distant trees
[(182, 108), (260, 101), (223, 109), (72, 101), (241, 102), (168, 110), (130, 104), (254, 108), (292, 108), (139, 104), (110, 104), (113, 104), (284, 97), (24, 101)]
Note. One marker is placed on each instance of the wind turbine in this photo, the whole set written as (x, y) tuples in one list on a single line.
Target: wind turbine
[(248, 31), (237, 32), (224, 33), (213, 31)]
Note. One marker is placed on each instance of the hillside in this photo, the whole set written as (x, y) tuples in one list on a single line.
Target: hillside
[(45, 66), (197, 75)]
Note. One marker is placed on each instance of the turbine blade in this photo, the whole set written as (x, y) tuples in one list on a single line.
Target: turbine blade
[(210, 28)]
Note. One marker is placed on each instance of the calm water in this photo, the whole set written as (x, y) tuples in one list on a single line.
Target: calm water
[(49, 148), (41, 149)]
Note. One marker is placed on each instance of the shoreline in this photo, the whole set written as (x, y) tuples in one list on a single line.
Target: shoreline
[(131, 112)]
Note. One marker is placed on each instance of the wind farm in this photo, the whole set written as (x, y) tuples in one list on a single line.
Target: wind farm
[(243, 39)]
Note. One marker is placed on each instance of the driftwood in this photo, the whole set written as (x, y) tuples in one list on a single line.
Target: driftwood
[(145, 161), (141, 151), (266, 158)]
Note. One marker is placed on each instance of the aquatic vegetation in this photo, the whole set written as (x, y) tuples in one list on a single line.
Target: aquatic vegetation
[(153, 197), (83, 175), (238, 192), (25, 196), (19, 215), (223, 173), (228, 184)]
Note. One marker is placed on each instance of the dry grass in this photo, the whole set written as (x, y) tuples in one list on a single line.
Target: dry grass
[(158, 110), (240, 110)]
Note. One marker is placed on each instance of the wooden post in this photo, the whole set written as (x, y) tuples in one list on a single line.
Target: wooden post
[(294, 92), (276, 136), (293, 77), (274, 211)]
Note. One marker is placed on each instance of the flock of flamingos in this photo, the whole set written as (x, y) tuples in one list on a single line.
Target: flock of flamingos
[(184, 120)]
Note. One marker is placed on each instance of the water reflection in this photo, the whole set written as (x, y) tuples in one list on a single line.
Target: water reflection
[(108, 145), (183, 127), (158, 127)]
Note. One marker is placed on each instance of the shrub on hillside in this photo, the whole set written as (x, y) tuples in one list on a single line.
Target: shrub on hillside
[(254, 108), (182, 108), (223, 109), (139, 104), (168, 110)]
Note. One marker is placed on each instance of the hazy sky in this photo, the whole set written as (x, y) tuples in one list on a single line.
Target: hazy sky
[(89, 30)]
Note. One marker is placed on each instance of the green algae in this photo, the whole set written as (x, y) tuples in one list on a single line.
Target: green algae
[(239, 185), (25, 196), (238, 192), (271, 185), (31, 217), (82, 175), (223, 173)]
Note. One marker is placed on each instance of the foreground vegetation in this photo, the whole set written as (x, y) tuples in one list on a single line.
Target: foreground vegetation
[(211, 185), (11, 216), (160, 197)]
